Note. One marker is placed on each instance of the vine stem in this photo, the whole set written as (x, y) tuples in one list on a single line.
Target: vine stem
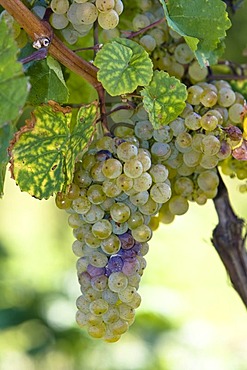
[(36, 28), (229, 242)]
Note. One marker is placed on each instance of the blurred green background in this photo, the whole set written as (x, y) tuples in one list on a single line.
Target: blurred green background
[(190, 317)]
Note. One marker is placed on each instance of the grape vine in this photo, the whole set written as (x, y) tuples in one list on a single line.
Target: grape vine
[(166, 122)]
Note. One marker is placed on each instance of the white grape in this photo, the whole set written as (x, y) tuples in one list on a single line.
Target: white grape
[(108, 20)]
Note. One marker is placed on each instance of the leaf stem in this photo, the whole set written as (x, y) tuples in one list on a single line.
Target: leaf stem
[(131, 35)]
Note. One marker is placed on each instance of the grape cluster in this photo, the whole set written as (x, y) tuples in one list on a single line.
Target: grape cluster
[(168, 49), (115, 191), (75, 19), (191, 147)]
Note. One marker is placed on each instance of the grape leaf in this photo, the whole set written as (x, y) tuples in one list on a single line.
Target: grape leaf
[(14, 85), (203, 24), (6, 134), (44, 152), (123, 65), (164, 99), (47, 82)]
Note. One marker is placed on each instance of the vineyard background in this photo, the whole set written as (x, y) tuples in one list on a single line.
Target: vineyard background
[(190, 316)]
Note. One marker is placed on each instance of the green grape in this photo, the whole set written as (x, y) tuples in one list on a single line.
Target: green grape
[(178, 126), (88, 160), (209, 121), (165, 215), (59, 21), (209, 161), (183, 54), (208, 180), (136, 219), (77, 248), (136, 301), (124, 183), (117, 282), (144, 130), (143, 182), (149, 208), (59, 6), (93, 215), (226, 97), (235, 112), (159, 173), (119, 212), (81, 205), (91, 294), (111, 245), (126, 295), (126, 151), (108, 20), (178, 205), (208, 98), (160, 192), (105, 143), (104, 5), (82, 264), (83, 29), (111, 188), (192, 158), (183, 140), (159, 35), (163, 134), (194, 94), (62, 201), (96, 194), (185, 170), (145, 158), (98, 259), (119, 327), (86, 13), (142, 233), (119, 7), (96, 172), (160, 151), (210, 145), (99, 284), (196, 72), (133, 168), (112, 315), (92, 241), (126, 312), (81, 319), (196, 143), (193, 121), (140, 21), (148, 42), (112, 168), (140, 198), (82, 304), (102, 229), (82, 178), (184, 186), (98, 307), (120, 113), (110, 297)]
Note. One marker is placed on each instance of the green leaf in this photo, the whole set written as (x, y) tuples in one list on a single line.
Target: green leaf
[(6, 134), (164, 99), (43, 155), (47, 82), (203, 24), (123, 65), (13, 84)]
